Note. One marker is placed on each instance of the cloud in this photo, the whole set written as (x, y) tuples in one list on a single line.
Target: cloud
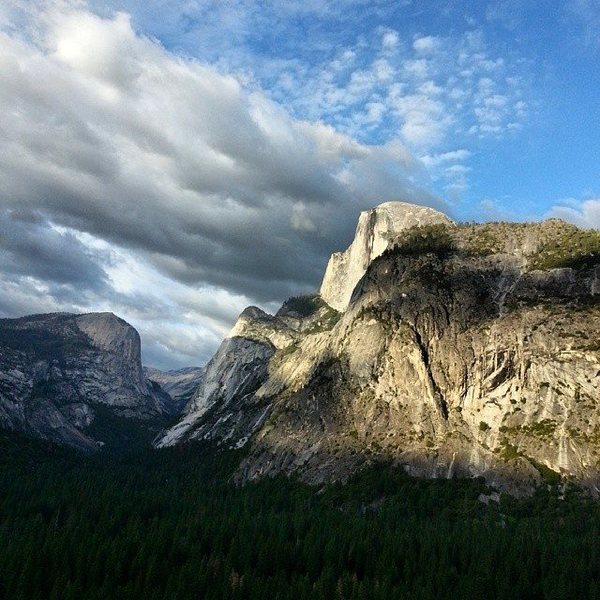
[(426, 44), (390, 39), (425, 93), (583, 214), (586, 16), (29, 244), (460, 154), (137, 180)]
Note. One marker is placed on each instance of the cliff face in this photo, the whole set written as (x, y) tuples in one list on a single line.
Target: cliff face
[(464, 350), (375, 230), (180, 384), (56, 369), (226, 405)]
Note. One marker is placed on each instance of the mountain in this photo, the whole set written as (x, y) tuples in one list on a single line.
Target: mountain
[(375, 229), (226, 406), (180, 384), (59, 372), (462, 350)]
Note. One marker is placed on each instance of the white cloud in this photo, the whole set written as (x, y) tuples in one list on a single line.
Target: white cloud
[(424, 118), (301, 219), (454, 155), (426, 44), (583, 214), (390, 39), (432, 94), (417, 68), (182, 193)]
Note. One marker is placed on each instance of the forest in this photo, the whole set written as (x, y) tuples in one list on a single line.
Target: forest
[(171, 524)]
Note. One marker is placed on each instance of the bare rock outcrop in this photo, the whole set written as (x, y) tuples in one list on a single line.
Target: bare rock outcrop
[(464, 350), (375, 230), (56, 370), (180, 384)]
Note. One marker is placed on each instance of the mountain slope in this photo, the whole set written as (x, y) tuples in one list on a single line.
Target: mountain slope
[(57, 371), (180, 384), (468, 350), (374, 231)]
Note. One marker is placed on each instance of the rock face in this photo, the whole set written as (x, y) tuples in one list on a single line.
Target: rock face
[(180, 384), (57, 369), (235, 372), (467, 350), (240, 367), (375, 230)]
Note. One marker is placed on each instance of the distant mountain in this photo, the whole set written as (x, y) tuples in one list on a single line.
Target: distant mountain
[(60, 372), (450, 349), (467, 350), (180, 384)]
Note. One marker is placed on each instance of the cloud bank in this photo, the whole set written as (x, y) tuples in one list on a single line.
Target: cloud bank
[(136, 180)]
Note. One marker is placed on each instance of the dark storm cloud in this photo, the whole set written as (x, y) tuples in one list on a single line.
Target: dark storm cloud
[(29, 246), (137, 181), (120, 139)]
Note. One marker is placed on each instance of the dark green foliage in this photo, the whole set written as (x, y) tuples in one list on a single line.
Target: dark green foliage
[(483, 239), (303, 306), (306, 306), (327, 321), (168, 525), (540, 429), (425, 239), (123, 434), (572, 247), (508, 451), (549, 476), (49, 337)]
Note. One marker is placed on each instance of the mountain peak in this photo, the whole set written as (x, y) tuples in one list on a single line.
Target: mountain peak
[(376, 228), (401, 206)]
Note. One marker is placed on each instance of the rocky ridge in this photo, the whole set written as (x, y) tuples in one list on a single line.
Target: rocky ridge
[(465, 350), (375, 230), (240, 367), (57, 371), (180, 384)]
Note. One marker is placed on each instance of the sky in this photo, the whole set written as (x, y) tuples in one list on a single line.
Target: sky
[(175, 162)]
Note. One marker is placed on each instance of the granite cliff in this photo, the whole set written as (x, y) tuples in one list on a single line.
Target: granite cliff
[(180, 384), (467, 350), (58, 371), (375, 230)]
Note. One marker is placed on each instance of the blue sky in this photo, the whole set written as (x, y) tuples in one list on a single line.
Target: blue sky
[(551, 49), (174, 162)]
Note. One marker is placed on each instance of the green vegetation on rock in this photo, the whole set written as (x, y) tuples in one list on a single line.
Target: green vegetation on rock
[(303, 306), (324, 317), (326, 322), (424, 239), (572, 247)]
